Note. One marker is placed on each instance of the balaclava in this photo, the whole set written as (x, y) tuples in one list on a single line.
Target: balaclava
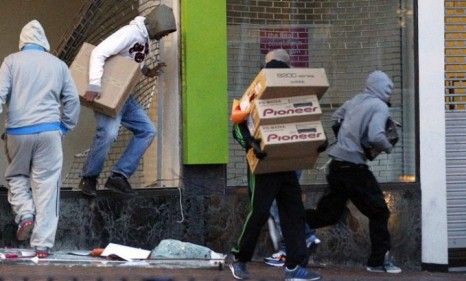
[(160, 22), (33, 33)]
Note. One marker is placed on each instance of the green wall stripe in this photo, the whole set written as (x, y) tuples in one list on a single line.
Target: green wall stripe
[(204, 74)]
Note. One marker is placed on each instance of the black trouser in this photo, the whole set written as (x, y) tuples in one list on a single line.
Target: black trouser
[(264, 188), (356, 183)]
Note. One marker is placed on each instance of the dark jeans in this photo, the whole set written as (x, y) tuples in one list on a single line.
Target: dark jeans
[(356, 183), (283, 187)]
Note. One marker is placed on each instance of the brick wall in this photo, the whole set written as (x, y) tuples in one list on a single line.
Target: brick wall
[(346, 37), (455, 50)]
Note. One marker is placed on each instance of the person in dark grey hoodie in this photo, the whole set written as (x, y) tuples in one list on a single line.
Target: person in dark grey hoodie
[(363, 120)]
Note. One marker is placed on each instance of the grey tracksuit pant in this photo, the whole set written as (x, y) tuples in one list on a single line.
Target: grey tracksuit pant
[(33, 178)]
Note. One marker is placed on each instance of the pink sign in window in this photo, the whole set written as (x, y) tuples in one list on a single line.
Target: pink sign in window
[(294, 40)]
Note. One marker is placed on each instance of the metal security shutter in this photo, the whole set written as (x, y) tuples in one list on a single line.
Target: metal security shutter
[(455, 100), (456, 178)]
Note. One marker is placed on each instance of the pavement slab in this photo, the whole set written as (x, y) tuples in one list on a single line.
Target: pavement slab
[(79, 266)]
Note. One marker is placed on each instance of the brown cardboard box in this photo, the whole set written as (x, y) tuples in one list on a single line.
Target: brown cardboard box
[(284, 110), (288, 146), (269, 165), (295, 140), (288, 82), (120, 76)]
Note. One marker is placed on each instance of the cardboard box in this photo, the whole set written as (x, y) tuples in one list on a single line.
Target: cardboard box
[(295, 140), (120, 76), (269, 165), (287, 82), (284, 110)]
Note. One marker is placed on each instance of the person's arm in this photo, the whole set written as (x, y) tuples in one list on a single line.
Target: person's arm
[(339, 114), (70, 102), (5, 83), (376, 135), (243, 137), (113, 45)]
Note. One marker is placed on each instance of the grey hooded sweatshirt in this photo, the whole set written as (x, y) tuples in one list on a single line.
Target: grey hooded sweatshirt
[(365, 116), (35, 84)]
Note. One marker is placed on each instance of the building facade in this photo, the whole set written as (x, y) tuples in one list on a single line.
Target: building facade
[(192, 181)]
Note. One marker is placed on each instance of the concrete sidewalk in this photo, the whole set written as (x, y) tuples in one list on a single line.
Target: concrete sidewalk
[(79, 266), (74, 271)]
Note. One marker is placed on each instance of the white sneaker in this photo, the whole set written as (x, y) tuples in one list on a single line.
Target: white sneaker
[(312, 240), (278, 259), (388, 266)]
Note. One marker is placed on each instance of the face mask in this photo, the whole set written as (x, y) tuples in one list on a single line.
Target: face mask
[(160, 22)]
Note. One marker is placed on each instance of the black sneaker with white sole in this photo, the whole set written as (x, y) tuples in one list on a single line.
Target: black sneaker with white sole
[(119, 184)]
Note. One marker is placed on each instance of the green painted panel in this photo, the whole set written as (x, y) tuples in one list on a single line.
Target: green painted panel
[(204, 78)]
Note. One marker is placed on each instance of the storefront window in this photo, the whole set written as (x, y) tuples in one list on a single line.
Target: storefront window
[(349, 39)]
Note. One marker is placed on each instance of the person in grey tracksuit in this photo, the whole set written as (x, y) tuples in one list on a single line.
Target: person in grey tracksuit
[(43, 105)]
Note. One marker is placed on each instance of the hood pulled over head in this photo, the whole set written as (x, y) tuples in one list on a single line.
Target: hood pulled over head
[(33, 33), (160, 22), (380, 85)]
